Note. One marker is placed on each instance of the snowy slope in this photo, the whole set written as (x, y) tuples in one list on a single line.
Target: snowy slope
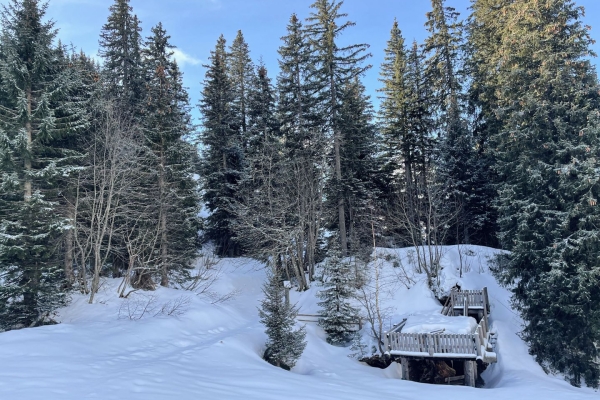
[(214, 351)]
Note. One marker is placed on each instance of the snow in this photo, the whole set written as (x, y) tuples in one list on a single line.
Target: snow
[(425, 323), (213, 351)]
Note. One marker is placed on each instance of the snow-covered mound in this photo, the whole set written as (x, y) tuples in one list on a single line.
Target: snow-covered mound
[(133, 349)]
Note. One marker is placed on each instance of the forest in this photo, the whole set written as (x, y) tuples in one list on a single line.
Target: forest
[(487, 133)]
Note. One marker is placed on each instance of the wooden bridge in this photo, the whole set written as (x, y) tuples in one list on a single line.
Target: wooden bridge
[(470, 348)]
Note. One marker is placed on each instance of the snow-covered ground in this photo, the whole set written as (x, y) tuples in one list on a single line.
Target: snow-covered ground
[(214, 351)]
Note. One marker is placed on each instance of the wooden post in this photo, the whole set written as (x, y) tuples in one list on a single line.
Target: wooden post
[(470, 373), (287, 285), (405, 368), (485, 310)]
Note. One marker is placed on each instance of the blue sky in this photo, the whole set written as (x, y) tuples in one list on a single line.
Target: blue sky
[(195, 25)]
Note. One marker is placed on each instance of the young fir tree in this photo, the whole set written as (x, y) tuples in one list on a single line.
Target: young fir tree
[(167, 122), (284, 344), (335, 66), (120, 47), (339, 316), (38, 120), (222, 165), (548, 101)]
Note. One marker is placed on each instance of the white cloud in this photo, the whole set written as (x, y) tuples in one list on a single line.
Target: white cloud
[(183, 58)]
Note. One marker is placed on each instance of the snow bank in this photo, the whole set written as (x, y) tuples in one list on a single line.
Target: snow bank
[(214, 351), (425, 323)]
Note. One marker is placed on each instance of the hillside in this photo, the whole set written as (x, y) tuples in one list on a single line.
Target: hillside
[(213, 351)]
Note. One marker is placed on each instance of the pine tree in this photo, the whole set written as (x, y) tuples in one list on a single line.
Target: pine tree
[(120, 47), (359, 165), (339, 316), (167, 123), (457, 158), (39, 116), (335, 67), (222, 165), (484, 29), (262, 123), (394, 97), (285, 344), (241, 75), (301, 127), (548, 102)]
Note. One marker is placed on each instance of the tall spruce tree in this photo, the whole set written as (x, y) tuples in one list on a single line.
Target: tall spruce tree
[(120, 47), (167, 123), (392, 111), (38, 120), (359, 165), (335, 67), (262, 122), (241, 75), (457, 158), (484, 31), (222, 164), (302, 130), (548, 103)]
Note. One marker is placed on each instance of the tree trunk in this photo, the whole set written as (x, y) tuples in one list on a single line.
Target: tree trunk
[(28, 165), (338, 175), (164, 244)]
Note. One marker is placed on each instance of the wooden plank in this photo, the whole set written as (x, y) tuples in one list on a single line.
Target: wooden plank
[(455, 378)]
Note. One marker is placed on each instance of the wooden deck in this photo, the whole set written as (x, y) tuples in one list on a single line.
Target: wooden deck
[(471, 347)]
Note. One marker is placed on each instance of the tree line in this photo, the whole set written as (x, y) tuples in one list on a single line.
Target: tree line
[(486, 133)]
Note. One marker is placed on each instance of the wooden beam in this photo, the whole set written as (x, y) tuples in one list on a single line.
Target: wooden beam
[(470, 373), (405, 368)]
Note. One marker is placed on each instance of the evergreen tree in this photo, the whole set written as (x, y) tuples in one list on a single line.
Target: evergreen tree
[(339, 316), (222, 165), (548, 102), (301, 126), (39, 117), (359, 165), (167, 123), (120, 46), (241, 75), (394, 103), (262, 122), (335, 67), (285, 344), (298, 95), (484, 30), (457, 158)]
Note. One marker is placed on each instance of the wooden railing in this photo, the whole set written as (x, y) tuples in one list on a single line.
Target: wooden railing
[(432, 344), (476, 345)]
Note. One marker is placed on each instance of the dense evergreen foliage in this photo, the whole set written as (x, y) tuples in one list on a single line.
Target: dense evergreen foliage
[(547, 97), (39, 115), (488, 132), (339, 316), (285, 344)]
